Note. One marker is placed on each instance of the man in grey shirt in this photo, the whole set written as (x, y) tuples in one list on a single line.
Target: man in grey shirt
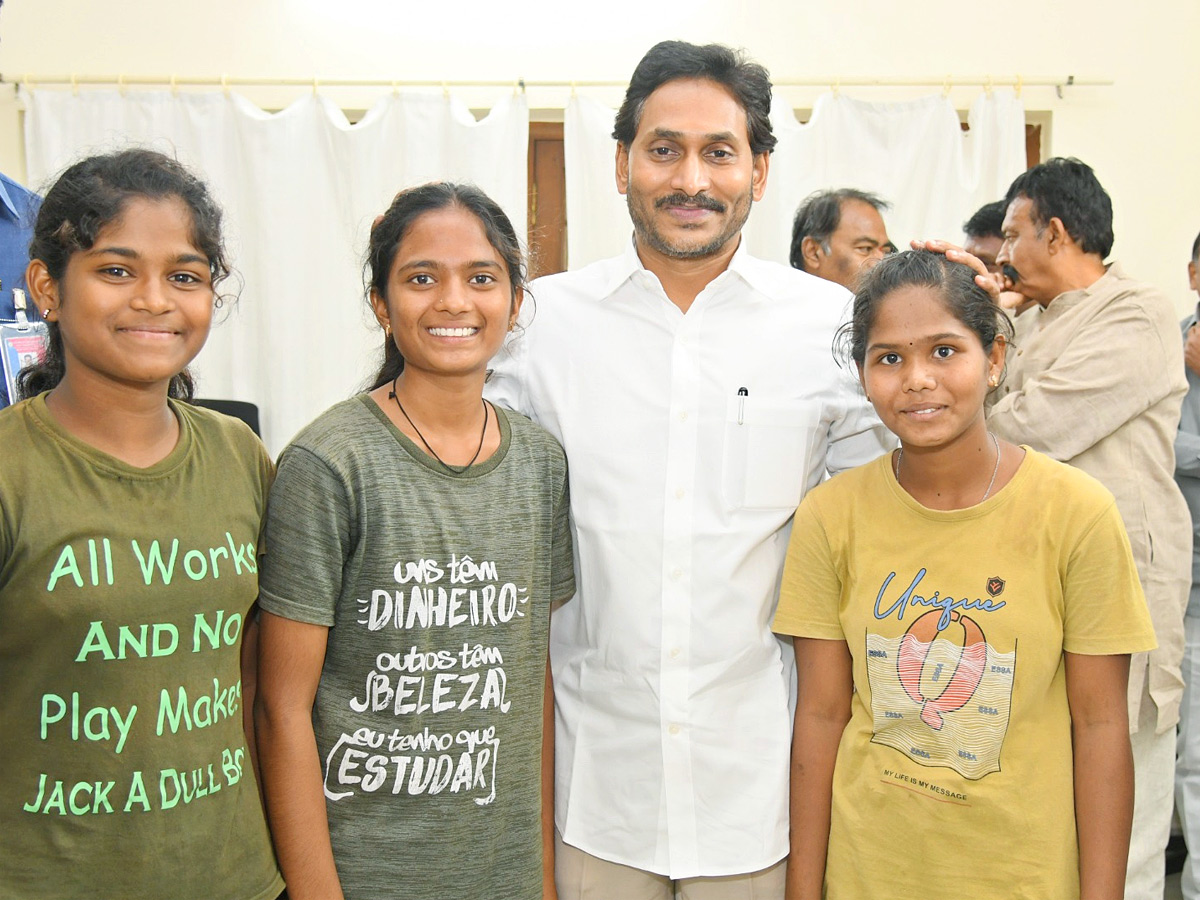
[(1187, 475)]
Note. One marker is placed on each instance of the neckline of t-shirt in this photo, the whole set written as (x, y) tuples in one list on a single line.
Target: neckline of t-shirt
[(422, 458), (999, 498), (106, 462)]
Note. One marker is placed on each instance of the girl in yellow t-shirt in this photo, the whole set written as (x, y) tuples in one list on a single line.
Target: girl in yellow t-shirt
[(963, 613)]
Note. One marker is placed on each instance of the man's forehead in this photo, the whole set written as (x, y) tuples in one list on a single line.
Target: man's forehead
[(859, 216), (1017, 210), (694, 107)]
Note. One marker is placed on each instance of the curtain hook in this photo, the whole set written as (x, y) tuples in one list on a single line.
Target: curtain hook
[(174, 85), (225, 84), (74, 85), (315, 85), (988, 86), (837, 87), (573, 91), (445, 91), (121, 84), (1020, 84), (946, 85), (395, 89)]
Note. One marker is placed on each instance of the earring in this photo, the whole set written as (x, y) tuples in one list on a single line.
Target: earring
[(387, 330), (994, 381)]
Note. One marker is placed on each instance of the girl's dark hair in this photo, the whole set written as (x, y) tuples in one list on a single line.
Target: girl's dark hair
[(92, 194), (390, 228), (955, 282)]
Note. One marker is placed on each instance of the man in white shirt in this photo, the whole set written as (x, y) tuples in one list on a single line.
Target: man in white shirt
[(697, 397)]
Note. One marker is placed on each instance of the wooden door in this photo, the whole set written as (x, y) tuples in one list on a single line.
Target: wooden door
[(547, 199)]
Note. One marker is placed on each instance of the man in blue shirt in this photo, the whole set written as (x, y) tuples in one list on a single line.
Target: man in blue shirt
[(18, 209)]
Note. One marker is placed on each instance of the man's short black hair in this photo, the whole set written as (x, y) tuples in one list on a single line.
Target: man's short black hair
[(666, 61), (1196, 250), (1068, 190), (988, 221), (820, 214)]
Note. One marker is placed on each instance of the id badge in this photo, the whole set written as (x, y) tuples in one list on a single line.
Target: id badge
[(22, 344)]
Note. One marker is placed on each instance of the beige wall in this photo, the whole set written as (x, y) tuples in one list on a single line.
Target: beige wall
[(1142, 135)]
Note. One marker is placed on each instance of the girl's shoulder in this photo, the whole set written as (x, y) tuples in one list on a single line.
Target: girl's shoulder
[(527, 432), (1047, 481), (211, 426), (345, 425)]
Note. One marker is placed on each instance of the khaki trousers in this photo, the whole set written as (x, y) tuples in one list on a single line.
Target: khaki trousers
[(581, 876)]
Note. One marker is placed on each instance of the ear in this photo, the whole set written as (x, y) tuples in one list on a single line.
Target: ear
[(622, 168), (1193, 281), (810, 249), (1057, 236), (43, 289), (862, 378), (996, 357), (379, 305), (515, 310), (758, 180)]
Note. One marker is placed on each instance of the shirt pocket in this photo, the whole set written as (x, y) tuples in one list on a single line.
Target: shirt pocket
[(768, 448)]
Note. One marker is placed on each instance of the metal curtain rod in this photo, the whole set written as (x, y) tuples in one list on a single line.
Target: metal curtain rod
[(223, 81)]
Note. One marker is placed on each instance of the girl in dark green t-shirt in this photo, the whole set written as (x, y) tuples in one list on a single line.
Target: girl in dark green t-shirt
[(128, 526)]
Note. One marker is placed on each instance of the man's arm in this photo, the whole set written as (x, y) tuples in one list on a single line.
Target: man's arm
[(825, 678), (291, 656), (1110, 372), (1103, 766), (857, 436)]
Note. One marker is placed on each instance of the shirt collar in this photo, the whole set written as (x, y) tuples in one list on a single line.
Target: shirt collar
[(6, 198), (1070, 299), (741, 264)]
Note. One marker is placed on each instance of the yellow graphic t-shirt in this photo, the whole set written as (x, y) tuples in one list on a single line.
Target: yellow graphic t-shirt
[(954, 774)]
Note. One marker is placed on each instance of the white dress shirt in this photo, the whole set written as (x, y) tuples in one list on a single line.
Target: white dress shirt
[(690, 440)]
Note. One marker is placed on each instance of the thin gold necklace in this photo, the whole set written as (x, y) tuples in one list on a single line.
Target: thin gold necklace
[(457, 470), (900, 459)]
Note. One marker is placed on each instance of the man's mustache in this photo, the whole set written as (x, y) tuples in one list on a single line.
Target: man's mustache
[(1011, 274), (700, 201)]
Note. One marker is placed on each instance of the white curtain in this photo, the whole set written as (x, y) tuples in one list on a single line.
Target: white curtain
[(913, 154), (300, 189)]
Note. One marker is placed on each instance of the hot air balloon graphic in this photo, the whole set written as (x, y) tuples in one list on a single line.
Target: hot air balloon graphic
[(941, 669)]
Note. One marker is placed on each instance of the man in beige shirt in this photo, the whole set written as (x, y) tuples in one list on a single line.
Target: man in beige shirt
[(1096, 380)]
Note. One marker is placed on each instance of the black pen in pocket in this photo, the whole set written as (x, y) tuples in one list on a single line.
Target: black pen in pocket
[(742, 395)]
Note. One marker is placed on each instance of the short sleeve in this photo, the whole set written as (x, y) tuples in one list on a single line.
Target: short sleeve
[(562, 557), (1105, 610), (308, 536), (810, 596)]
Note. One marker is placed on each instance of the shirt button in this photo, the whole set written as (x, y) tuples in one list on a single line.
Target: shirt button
[(674, 653), (677, 574), (679, 492), (674, 729), (683, 416)]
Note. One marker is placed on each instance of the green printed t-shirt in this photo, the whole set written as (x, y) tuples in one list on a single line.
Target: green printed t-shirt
[(954, 776), (436, 588), (123, 594)]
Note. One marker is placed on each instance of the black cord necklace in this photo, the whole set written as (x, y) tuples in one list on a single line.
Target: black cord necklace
[(457, 470)]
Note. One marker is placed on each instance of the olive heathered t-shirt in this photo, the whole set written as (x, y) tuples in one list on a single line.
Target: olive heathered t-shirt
[(436, 588), (123, 594)]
